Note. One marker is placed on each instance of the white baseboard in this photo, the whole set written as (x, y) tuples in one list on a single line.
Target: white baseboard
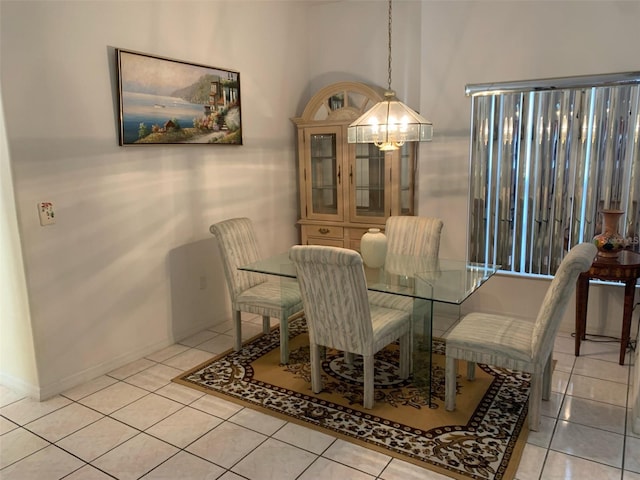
[(19, 386), (64, 384)]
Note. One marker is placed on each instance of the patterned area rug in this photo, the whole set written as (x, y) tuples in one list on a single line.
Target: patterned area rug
[(482, 439)]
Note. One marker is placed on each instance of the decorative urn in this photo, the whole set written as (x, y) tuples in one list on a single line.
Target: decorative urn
[(609, 242), (373, 248)]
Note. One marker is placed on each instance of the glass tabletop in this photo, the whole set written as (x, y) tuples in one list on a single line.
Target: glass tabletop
[(439, 280)]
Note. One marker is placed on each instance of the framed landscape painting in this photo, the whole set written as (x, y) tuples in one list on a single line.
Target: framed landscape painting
[(165, 101)]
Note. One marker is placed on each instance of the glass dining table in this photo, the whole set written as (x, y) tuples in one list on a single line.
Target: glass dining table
[(423, 282)]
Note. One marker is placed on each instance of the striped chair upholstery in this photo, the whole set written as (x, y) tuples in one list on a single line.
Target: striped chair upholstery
[(407, 236), (253, 292), (339, 315), (517, 343)]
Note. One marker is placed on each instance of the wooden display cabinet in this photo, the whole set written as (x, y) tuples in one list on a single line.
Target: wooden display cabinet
[(345, 189)]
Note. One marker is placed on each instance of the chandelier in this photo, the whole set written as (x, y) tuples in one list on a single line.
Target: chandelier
[(390, 123)]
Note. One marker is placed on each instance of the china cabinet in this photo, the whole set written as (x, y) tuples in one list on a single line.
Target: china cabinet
[(344, 188)]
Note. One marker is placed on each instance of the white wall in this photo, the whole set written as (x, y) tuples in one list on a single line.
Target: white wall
[(17, 356), (486, 41), (476, 41), (118, 275)]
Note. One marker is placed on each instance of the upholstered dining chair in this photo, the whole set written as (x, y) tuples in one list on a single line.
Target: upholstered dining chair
[(340, 316), (253, 292), (409, 237), (413, 235), (516, 343)]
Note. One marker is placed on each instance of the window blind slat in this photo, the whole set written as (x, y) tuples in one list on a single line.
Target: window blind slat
[(543, 166)]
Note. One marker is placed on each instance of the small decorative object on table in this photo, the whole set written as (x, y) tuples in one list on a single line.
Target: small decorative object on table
[(373, 248), (610, 243)]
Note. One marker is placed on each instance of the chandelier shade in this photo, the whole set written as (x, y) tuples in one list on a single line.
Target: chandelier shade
[(390, 123)]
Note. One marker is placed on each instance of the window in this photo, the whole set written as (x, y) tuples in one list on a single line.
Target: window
[(546, 157)]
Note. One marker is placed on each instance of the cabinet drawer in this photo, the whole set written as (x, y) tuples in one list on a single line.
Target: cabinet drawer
[(327, 242), (322, 231)]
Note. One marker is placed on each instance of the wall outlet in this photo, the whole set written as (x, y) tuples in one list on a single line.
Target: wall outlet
[(47, 215)]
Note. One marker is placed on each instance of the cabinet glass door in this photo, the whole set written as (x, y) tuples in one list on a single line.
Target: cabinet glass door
[(368, 177), (323, 173), (407, 177)]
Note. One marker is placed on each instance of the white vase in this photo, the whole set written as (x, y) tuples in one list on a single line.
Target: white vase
[(373, 248)]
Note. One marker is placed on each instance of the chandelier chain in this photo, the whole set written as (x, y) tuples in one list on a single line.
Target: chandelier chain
[(389, 57), (389, 123)]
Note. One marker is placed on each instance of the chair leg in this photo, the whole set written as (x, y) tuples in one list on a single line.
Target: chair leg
[(405, 355), (414, 319), (546, 378), (535, 401), (237, 331), (316, 378), (451, 372), (471, 370), (348, 358), (284, 341), (266, 324), (367, 362)]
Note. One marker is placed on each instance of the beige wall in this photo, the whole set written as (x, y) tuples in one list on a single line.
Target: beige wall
[(118, 275)]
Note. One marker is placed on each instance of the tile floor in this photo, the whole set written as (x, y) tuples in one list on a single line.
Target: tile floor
[(134, 423)]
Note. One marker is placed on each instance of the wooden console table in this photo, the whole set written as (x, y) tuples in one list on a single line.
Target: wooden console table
[(625, 268)]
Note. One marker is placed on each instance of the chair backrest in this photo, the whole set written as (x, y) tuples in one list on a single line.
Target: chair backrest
[(409, 237), (238, 246), (334, 297), (578, 260)]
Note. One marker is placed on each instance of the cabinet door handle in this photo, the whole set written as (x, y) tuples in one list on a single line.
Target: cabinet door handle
[(323, 231), (338, 174), (351, 174)]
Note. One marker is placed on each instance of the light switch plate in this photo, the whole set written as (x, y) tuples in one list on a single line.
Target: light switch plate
[(47, 215)]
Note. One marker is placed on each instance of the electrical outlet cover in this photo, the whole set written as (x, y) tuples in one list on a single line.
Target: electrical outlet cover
[(47, 215)]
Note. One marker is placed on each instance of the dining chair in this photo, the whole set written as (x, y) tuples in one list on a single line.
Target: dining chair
[(410, 238), (340, 316), (517, 343), (413, 245), (413, 235), (253, 292)]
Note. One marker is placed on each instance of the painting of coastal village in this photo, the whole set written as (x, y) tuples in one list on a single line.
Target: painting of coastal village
[(164, 101)]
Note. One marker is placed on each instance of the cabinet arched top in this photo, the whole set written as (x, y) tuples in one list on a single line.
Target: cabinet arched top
[(340, 102)]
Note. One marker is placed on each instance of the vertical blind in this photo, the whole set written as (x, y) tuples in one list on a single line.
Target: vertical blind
[(547, 156)]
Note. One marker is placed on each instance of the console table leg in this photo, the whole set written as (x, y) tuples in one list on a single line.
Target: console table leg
[(624, 268), (582, 298), (629, 296)]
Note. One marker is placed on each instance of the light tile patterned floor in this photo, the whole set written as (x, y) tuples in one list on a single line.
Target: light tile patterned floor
[(134, 423)]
